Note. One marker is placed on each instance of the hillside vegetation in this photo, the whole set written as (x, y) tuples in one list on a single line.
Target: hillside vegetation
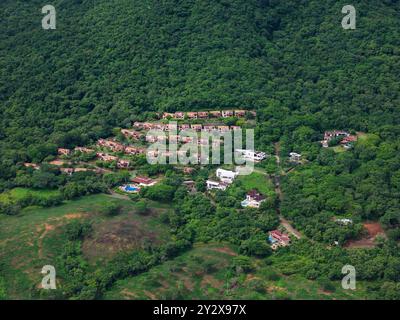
[(110, 62)]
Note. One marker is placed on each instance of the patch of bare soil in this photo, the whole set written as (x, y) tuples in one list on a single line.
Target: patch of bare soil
[(273, 288), (111, 237), (70, 216), (213, 282), (226, 250), (151, 295), (128, 295)]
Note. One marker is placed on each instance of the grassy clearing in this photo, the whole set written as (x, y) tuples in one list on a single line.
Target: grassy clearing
[(204, 273), (35, 237), (258, 181), (339, 149)]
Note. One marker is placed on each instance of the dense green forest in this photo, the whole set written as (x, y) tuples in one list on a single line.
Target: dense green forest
[(111, 62)]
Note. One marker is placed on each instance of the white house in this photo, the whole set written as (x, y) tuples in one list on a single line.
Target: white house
[(226, 175), (255, 156), (295, 157), (216, 185), (344, 221)]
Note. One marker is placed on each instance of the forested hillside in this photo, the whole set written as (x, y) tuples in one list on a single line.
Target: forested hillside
[(108, 61), (111, 62)]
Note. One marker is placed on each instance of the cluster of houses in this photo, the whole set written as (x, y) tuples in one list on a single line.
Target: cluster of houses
[(253, 199), (121, 163), (225, 177), (70, 171), (346, 141), (113, 145), (179, 115), (174, 127), (119, 147), (278, 239), (67, 152)]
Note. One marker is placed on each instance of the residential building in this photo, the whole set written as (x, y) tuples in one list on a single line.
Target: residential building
[(64, 152), (211, 185), (68, 171), (203, 142), (122, 163), (203, 114), (329, 135), (106, 157), (131, 150), (278, 239), (226, 175), (253, 199), (144, 182), (192, 115), (188, 170), (196, 127), (113, 145), (171, 127), (83, 150), (131, 134), (255, 156), (233, 128), (295, 157), (179, 115), (183, 127), (344, 221), (173, 138), (216, 114), (138, 125), (209, 128), (223, 128), (167, 115), (190, 185), (148, 126), (240, 113), (31, 165), (184, 139), (347, 142), (227, 113)]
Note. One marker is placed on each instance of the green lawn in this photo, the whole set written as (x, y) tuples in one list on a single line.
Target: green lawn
[(258, 181), (20, 193)]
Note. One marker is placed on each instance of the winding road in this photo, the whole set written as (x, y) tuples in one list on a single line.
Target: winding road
[(277, 182)]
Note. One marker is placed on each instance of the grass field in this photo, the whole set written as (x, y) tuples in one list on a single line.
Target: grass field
[(204, 273), (35, 237), (258, 181)]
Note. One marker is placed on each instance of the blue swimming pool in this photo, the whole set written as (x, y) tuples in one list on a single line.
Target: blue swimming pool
[(131, 189)]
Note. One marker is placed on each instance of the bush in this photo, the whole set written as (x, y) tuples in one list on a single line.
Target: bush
[(242, 264), (142, 207), (256, 285), (326, 284), (111, 209), (77, 230)]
